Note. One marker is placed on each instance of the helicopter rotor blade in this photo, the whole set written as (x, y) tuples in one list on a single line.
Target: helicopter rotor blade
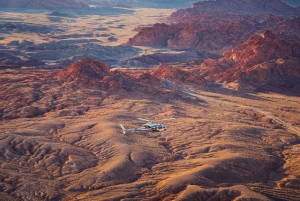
[(143, 119), (166, 119)]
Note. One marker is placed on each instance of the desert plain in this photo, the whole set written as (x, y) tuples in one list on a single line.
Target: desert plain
[(60, 134)]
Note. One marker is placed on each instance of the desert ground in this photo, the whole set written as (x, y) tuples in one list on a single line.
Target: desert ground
[(222, 145), (98, 25), (55, 39)]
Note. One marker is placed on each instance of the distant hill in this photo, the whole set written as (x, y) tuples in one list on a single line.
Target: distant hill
[(217, 26), (41, 4)]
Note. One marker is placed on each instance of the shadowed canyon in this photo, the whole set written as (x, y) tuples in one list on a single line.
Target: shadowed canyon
[(223, 77)]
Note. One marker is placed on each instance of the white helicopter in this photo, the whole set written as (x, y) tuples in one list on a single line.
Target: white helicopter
[(150, 126)]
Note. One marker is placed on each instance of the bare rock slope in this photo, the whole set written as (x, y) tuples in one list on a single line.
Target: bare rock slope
[(216, 26), (262, 61)]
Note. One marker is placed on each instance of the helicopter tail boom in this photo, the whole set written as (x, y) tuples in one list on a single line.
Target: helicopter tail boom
[(123, 129)]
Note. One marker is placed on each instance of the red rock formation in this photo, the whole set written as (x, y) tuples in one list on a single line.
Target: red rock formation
[(261, 61), (41, 4), (90, 73), (163, 71), (271, 20), (190, 36), (156, 36), (287, 27), (214, 26), (84, 71)]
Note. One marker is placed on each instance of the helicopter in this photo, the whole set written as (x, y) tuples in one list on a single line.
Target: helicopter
[(150, 126)]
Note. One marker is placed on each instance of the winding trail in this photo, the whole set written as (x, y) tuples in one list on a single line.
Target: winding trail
[(192, 93)]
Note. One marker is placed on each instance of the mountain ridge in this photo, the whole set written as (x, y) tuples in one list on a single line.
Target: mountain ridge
[(261, 61), (41, 4), (204, 27)]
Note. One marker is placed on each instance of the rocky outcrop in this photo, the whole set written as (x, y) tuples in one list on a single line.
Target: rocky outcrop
[(216, 26), (156, 36), (83, 70), (288, 27), (214, 40), (88, 72), (41, 4), (163, 71), (262, 61), (193, 37), (190, 37)]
